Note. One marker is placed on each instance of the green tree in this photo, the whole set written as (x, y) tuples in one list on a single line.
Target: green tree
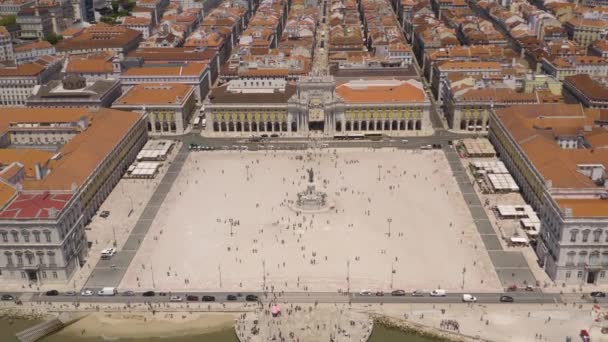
[(53, 38), (8, 20), (115, 6)]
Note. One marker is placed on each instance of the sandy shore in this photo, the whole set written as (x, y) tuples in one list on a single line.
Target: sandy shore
[(141, 325)]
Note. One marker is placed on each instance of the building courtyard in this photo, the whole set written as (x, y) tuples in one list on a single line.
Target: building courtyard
[(397, 221)]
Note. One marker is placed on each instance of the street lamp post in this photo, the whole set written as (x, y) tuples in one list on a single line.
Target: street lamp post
[(114, 233), (348, 276), (389, 220), (152, 271), (464, 270)]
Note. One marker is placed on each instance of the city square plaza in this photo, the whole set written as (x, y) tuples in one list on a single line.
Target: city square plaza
[(396, 220)]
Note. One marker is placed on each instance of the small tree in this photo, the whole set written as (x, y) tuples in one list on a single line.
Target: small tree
[(53, 38)]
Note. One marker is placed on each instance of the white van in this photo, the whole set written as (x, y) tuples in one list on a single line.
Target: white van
[(467, 298), (438, 293), (107, 291)]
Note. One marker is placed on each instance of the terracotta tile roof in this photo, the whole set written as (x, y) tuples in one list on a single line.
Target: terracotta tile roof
[(369, 92), (35, 206), (100, 36), (84, 152), (33, 46), (535, 129), (29, 69), (93, 63), (596, 23), (27, 157), (7, 192), (137, 21), (447, 65), (584, 207), (156, 94), (592, 89), (189, 69)]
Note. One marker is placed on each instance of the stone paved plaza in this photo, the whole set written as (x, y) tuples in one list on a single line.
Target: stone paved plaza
[(227, 224)]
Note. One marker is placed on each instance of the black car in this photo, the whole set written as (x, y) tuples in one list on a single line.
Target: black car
[(164, 294), (506, 299), (398, 293), (7, 297), (104, 214), (149, 294), (208, 299), (251, 298), (230, 297), (192, 298), (598, 294), (52, 293)]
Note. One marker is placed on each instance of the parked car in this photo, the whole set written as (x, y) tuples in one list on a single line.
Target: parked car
[(398, 293), (128, 293), (438, 293), (108, 253), (7, 297), (380, 293), (192, 298), (208, 299), (365, 292), (231, 297), (506, 299), (417, 293), (104, 214), (251, 298), (149, 294), (585, 336), (162, 294), (52, 293), (86, 293), (598, 294), (70, 293), (468, 298), (176, 299)]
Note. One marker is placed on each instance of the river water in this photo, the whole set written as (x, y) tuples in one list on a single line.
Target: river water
[(9, 329)]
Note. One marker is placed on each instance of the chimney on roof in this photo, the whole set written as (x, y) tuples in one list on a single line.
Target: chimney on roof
[(52, 212), (38, 170)]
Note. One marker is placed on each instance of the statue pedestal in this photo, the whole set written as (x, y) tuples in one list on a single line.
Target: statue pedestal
[(312, 200)]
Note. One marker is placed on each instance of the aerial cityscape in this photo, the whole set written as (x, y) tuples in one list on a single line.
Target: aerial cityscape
[(303, 170)]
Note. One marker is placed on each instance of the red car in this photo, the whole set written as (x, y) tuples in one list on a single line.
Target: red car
[(585, 336)]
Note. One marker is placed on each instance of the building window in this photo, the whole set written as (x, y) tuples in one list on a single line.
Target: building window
[(579, 274), (9, 259), (594, 258), (51, 258), (602, 274), (15, 236), (573, 234), (19, 259), (47, 235), (36, 236), (30, 258), (23, 275), (43, 274), (568, 274), (596, 235), (5, 236), (586, 235), (54, 275), (570, 257), (26, 236)]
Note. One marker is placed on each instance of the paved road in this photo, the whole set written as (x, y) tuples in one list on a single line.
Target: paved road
[(534, 297), (110, 272), (511, 266)]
